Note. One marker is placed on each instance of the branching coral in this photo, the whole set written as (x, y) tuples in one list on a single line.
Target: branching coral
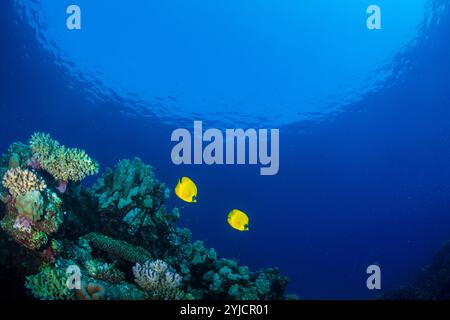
[(157, 278), (21, 181), (17, 156), (48, 284), (43, 146), (64, 164)]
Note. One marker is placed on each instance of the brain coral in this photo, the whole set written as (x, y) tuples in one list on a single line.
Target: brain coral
[(64, 164), (21, 181)]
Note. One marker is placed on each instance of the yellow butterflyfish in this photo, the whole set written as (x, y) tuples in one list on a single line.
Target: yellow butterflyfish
[(238, 220), (186, 190)]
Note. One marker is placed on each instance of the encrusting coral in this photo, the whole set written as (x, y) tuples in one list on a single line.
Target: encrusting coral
[(117, 230)]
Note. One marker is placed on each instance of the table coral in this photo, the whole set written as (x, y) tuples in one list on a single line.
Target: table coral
[(64, 164)]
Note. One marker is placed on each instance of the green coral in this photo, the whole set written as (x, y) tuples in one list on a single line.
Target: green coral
[(131, 184), (104, 271), (64, 164), (14, 161), (49, 284), (215, 278), (30, 205), (118, 248), (33, 217), (131, 202), (17, 156), (126, 291), (120, 221), (134, 218), (33, 211), (142, 218)]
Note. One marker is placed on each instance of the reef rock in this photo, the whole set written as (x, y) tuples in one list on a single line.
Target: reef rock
[(432, 283)]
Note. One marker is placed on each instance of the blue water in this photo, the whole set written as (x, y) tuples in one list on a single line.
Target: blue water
[(364, 119)]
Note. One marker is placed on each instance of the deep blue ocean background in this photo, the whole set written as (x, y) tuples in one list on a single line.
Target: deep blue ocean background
[(363, 180)]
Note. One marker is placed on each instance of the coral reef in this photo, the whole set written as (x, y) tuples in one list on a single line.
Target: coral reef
[(131, 183), (131, 202), (64, 164), (32, 217), (208, 277), (432, 283), (16, 157), (119, 233)]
